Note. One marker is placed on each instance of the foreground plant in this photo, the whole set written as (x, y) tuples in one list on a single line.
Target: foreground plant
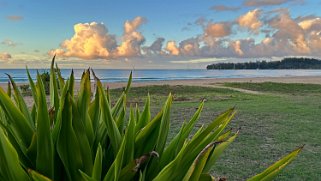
[(87, 138)]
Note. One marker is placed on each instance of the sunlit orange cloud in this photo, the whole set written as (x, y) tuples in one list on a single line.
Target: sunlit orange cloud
[(5, 56), (218, 29), (251, 20), (290, 34), (236, 45), (132, 39), (92, 41), (172, 48), (280, 35)]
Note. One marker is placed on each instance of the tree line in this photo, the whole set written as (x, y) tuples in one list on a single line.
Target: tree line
[(286, 63)]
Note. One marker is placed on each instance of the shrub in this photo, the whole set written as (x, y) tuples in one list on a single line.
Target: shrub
[(25, 89), (45, 77), (86, 138)]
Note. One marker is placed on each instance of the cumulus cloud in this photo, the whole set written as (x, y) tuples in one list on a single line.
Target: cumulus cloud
[(264, 2), (172, 48), (281, 36), (155, 48), (251, 20), (15, 18), (269, 34), (5, 56), (90, 41), (289, 34), (219, 8), (218, 30), (313, 24), (132, 40), (236, 46), (190, 47)]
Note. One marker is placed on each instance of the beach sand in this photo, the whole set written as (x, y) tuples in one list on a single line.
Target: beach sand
[(208, 82), (217, 82)]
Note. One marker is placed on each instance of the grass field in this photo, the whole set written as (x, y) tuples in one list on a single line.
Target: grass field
[(272, 124)]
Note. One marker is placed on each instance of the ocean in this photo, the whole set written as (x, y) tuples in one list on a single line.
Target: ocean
[(111, 75)]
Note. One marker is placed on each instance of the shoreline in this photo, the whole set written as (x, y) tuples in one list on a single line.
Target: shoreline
[(206, 82), (212, 82)]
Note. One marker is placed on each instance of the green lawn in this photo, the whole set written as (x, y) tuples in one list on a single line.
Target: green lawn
[(271, 125)]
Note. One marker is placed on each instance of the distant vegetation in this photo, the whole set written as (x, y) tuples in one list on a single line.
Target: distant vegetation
[(286, 63)]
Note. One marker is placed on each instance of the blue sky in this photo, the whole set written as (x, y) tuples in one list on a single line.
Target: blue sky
[(193, 33)]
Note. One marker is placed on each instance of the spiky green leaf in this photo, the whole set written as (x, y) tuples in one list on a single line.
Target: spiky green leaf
[(273, 170), (45, 148), (10, 168)]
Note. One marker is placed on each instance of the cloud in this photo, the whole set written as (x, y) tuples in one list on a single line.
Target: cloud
[(9, 43), (90, 41), (218, 30), (155, 48), (190, 47), (268, 34), (132, 40), (15, 18), (196, 61), (313, 24), (284, 36), (172, 48), (201, 21), (264, 2), (236, 46), (251, 20), (312, 32), (289, 34), (219, 8), (5, 56)]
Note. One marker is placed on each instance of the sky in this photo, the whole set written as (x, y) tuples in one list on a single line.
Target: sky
[(156, 34)]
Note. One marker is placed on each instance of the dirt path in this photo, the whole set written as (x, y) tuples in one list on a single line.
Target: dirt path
[(235, 89)]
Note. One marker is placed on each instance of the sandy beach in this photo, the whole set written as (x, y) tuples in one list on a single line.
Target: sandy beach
[(210, 82)]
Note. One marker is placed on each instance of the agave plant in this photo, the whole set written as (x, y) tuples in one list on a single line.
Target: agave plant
[(86, 137)]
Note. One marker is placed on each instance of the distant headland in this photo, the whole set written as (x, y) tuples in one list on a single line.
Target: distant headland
[(286, 63)]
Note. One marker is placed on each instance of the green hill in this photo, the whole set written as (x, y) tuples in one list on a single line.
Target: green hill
[(286, 63)]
